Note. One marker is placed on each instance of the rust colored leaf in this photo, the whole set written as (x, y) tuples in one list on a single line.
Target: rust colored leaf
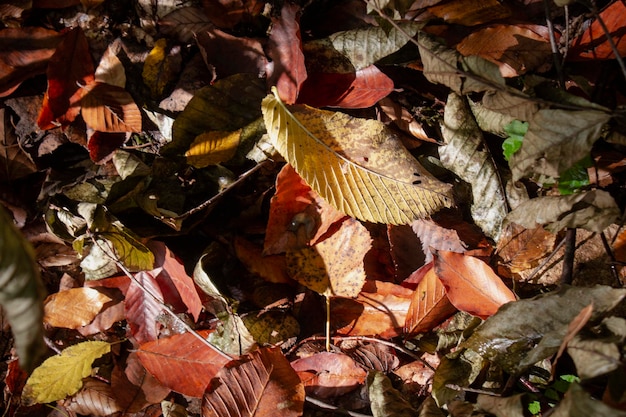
[(182, 362), (24, 53), (333, 267), (134, 387), (69, 69), (101, 145), (471, 284), (404, 119), (73, 308), (469, 12), (520, 249), (361, 89), (260, 384), (516, 49), (231, 54), (429, 306), (298, 215), (286, 71), (271, 268), (141, 309), (107, 108), (593, 44), (328, 374), (379, 310)]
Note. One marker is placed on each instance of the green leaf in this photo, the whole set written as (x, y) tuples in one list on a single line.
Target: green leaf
[(358, 165), (576, 177), (21, 292), (534, 407), (385, 400), (467, 155), (62, 375), (516, 131)]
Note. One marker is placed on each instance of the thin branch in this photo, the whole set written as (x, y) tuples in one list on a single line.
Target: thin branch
[(556, 56), (568, 258)]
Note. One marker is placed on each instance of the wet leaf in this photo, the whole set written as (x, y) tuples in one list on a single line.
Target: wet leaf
[(556, 140), (593, 210), (73, 308), (182, 362), (354, 155), (62, 375), (328, 374), (259, 384), (107, 108), (21, 292), (471, 285), (333, 267), (386, 401), (467, 155)]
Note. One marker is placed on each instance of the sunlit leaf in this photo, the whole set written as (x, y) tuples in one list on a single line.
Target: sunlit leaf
[(386, 401), (142, 310), (520, 249), (213, 148), (259, 384), (329, 374), (467, 155), (73, 308), (62, 375), (110, 69), (96, 398), (107, 108), (593, 43), (429, 306), (231, 335), (358, 165), (159, 68), (272, 327)]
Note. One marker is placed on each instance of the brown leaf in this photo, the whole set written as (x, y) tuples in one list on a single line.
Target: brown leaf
[(95, 399), (69, 69), (184, 23), (593, 44), (333, 267), (404, 248), (429, 306), (15, 162), (231, 54), (469, 12), (379, 310), (259, 384), (286, 71), (24, 53), (182, 362), (471, 284), (73, 308), (516, 49), (328, 374), (107, 108), (271, 268), (520, 249), (134, 387), (404, 119), (298, 215)]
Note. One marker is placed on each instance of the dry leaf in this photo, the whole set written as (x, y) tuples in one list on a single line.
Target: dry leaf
[(520, 249), (328, 374), (469, 12), (271, 268), (212, 148), (73, 308), (107, 108)]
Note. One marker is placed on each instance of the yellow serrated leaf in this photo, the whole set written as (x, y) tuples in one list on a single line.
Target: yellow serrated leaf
[(213, 148), (62, 375), (158, 70), (358, 165)]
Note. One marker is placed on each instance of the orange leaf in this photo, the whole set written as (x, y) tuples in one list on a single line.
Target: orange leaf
[(73, 308), (298, 215), (182, 362), (260, 384), (379, 310), (593, 44), (470, 12), (333, 267), (107, 108), (287, 71), (327, 374), (271, 268), (471, 284), (520, 249), (429, 306)]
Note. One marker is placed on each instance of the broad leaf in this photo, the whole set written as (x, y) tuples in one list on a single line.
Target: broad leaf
[(577, 402), (358, 165), (160, 68), (107, 108), (471, 284), (556, 140), (593, 43), (21, 292), (15, 163), (386, 401), (96, 398), (259, 384), (471, 13), (467, 155), (142, 310), (520, 249), (429, 306), (62, 375), (593, 210), (182, 362), (329, 374), (134, 387), (73, 308), (212, 148)]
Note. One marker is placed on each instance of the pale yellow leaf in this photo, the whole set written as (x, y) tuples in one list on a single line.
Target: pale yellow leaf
[(73, 308), (213, 148), (358, 165), (62, 375)]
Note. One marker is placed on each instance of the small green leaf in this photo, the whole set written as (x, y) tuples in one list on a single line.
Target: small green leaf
[(516, 131), (576, 177), (534, 407)]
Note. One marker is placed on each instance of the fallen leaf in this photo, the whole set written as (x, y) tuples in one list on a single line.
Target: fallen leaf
[(334, 266), (226, 14), (102, 145), (212, 148), (272, 268), (184, 23), (471, 285), (182, 362), (385, 399), (107, 108), (15, 162), (470, 13), (259, 384), (95, 398), (160, 67), (142, 310), (593, 44), (520, 249), (110, 69), (73, 308), (231, 54), (328, 374), (134, 387)]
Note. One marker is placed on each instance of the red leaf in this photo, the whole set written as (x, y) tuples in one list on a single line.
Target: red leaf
[(593, 44), (471, 284), (351, 91), (141, 309), (24, 53), (286, 71), (101, 145), (70, 68), (182, 362), (327, 374)]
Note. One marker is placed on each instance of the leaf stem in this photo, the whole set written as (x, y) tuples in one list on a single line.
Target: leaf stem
[(327, 322)]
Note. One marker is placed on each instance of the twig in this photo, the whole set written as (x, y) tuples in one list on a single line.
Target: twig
[(336, 409), (568, 258), (609, 38), (611, 256), (475, 390), (556, 56)]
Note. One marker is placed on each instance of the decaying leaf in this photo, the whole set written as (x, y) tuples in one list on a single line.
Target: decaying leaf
[(520, 249), (386, 401), (95, 398), (358, 165), (73, 308)]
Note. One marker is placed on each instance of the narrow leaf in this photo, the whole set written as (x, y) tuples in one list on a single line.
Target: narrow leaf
[(358, 165), (62, 375)]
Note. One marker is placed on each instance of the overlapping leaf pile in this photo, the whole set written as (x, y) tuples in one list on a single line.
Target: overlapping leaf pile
[(214, 190)]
